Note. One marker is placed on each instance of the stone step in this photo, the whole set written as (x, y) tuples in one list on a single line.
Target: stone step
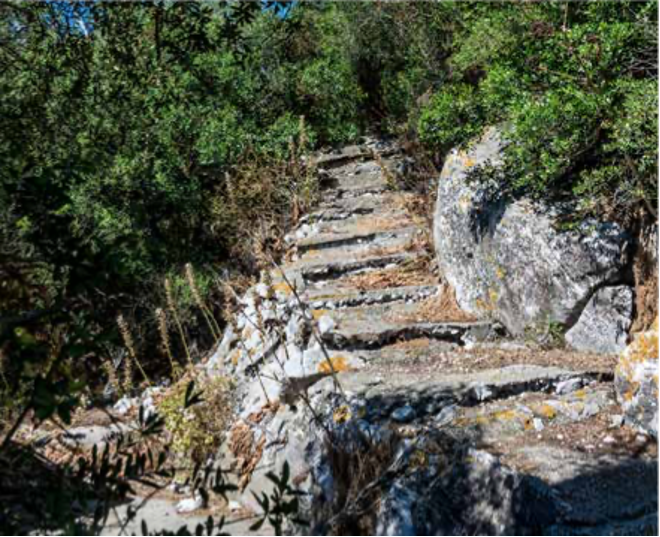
[(373, 335), (329, 271), (375, 238), (428, 355), (431, 394), (342, 208), (342, 157), (388, 219), (336, 298), (374, 326)]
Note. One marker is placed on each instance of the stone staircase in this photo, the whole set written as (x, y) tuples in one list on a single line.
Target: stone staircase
[(405, 361), (490, 435)]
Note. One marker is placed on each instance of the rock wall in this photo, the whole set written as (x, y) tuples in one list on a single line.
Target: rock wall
[(508, 261)]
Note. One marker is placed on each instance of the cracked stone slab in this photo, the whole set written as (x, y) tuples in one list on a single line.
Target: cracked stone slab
[(374, 326), (428, 393), (382, 238), (335, 298), (342, 208), (319, 271)]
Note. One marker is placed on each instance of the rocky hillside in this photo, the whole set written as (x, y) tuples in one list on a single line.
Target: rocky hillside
[(400, 402)]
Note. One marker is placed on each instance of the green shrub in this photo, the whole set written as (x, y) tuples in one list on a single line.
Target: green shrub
[(452, 118), (549, 134), (628, 163)]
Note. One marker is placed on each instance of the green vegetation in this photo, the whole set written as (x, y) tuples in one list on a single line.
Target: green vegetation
[(576, 85), (151, 151)]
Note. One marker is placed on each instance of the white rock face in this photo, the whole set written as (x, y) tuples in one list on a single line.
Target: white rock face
[(507, 259), (605, 321)]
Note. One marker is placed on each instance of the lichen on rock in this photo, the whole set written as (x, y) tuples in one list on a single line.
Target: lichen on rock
[(506, 258), (636, 381)]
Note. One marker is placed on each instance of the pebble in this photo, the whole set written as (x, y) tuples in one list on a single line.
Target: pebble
[(189, 505), (609, 439), (404, 414), (538, 424), (326, 324), (568, 386), (234, 506), (616, 421), (124, 405), (446, 415)]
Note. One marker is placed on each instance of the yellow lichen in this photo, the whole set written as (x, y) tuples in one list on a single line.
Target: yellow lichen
[(547, 411), (493, 296), (580, 394), (341, 414), (339, 364), (283, 287), (233, 357), (505, 415)]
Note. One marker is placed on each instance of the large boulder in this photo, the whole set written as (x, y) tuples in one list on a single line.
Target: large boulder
[(604, 324), (636, 381), (507, 259)]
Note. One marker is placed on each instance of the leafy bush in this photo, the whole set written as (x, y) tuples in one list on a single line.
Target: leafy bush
[(576, 85), (452, 117), (197, 431)]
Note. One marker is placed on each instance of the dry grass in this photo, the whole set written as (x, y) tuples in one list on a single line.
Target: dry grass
[(645, 272), (414, 273), (427, 357), (437, 308), (357, 475), (646, 305)]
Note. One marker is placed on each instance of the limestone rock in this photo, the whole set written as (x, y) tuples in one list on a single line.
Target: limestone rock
[(506, 259), (636, 381), (605, 321)]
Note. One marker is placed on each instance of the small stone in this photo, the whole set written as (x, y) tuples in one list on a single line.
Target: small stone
[(482, 392), (404, 414), (326, 324), (568, 386), (124, 405), (234, 506), (560, 437), (446, 416), (609, 439), (616, 421), (538, 424), (189, 505), (590, 409)]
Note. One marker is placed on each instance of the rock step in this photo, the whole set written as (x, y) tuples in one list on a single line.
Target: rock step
[(429, 395), (330, 271), (337, 298), (368, 336), (338, 240), (340, 158), (385, 220), (429, 355), (384, 203), (374, 326)]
